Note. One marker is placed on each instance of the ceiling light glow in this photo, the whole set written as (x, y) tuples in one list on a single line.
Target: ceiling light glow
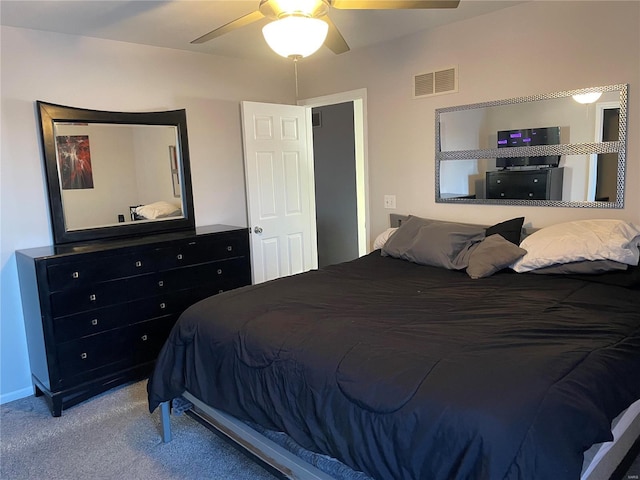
[(295, 36)]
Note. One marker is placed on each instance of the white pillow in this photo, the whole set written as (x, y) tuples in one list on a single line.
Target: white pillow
[(158, 210), (383, 237), (601, 239)]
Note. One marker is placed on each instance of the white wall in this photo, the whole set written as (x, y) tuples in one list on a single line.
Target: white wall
[(106, 75), (535, 47)]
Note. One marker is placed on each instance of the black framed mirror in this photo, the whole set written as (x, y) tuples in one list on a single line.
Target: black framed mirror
[(115, 174)]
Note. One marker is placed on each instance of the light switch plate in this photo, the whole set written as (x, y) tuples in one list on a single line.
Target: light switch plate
[(390, 201)]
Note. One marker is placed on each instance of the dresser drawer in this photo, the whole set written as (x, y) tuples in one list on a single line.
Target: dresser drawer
[(543, 184), (149, 337), (67, 276), (527, 185), (225, 274), (203, 250), (90, 322), (88, 353), (88, 297)]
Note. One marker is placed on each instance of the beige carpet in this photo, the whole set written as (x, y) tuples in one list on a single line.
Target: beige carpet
[(112, 436)]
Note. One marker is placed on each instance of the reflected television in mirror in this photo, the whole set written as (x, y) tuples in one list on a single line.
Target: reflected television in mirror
[(537, 139), (528, 137), (115, 174)]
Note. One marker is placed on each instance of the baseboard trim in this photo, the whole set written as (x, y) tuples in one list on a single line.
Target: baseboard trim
[(16, 395)]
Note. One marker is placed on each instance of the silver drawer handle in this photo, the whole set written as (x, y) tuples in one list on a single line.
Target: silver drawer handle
[(92, 297), (94, 322), (83, 356), (502, 194), (161, 283), (179, 256), (75, 275), (535, 180), (219, 271), (531, 194), (138, 264), (163, 305), (144, 338), (498, 181), (229, 248)]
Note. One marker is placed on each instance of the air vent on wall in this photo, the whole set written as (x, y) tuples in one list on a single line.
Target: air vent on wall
[(435, 83)]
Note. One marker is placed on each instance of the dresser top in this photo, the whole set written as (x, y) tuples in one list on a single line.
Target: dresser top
[(75, 248)]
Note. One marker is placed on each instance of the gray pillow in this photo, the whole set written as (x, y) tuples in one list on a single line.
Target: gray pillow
[(491, 255), (434, 242), (582, 267), (404, 236)]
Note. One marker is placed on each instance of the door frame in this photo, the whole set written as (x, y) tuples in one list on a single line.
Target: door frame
[(600, 107), (359, 99)]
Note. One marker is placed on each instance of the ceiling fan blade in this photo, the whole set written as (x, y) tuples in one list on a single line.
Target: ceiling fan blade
[(335, 41), (392, 4), (237, 23)]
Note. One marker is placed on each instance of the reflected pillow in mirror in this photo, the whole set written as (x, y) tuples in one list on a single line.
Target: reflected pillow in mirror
[(160, 209), (599, 239), (494, 253)]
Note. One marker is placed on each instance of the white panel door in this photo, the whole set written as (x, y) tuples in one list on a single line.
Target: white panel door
[(280, 194)]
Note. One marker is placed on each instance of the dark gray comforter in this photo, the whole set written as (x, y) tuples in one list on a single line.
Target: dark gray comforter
[(412, 372)]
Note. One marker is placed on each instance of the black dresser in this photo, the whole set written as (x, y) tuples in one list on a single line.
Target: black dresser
[(542, 184), (96, 315)]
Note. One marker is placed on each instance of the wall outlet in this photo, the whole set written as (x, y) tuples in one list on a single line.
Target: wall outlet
[(389, 201)]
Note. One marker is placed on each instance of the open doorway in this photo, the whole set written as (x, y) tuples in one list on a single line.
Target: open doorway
[(341, 205), (334, 169), (603, 176), (606, 183)]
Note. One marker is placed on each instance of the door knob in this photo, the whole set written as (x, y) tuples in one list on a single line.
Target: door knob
[(257, 229)]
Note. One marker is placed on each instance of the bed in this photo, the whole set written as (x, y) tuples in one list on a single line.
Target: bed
[(423, 362)]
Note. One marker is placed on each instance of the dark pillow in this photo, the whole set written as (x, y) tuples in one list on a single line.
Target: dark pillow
[(491, 255), (434, 242), (509, 230)]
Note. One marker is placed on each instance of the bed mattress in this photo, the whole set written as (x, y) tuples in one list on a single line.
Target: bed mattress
[(407, 372)]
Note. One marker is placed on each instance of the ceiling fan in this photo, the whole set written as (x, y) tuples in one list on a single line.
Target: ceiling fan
[(296, 21)]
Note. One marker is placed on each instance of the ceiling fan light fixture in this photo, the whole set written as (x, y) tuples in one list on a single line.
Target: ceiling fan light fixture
[(295, 36), (308, 8), (589, 97)]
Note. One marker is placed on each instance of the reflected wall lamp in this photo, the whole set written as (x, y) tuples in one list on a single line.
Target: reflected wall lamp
[(587, 97)]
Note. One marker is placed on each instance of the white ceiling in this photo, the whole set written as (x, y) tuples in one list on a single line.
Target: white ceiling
[(175, 23)]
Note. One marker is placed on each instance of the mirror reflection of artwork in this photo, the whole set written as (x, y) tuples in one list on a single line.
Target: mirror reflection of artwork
[(74, 162)]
